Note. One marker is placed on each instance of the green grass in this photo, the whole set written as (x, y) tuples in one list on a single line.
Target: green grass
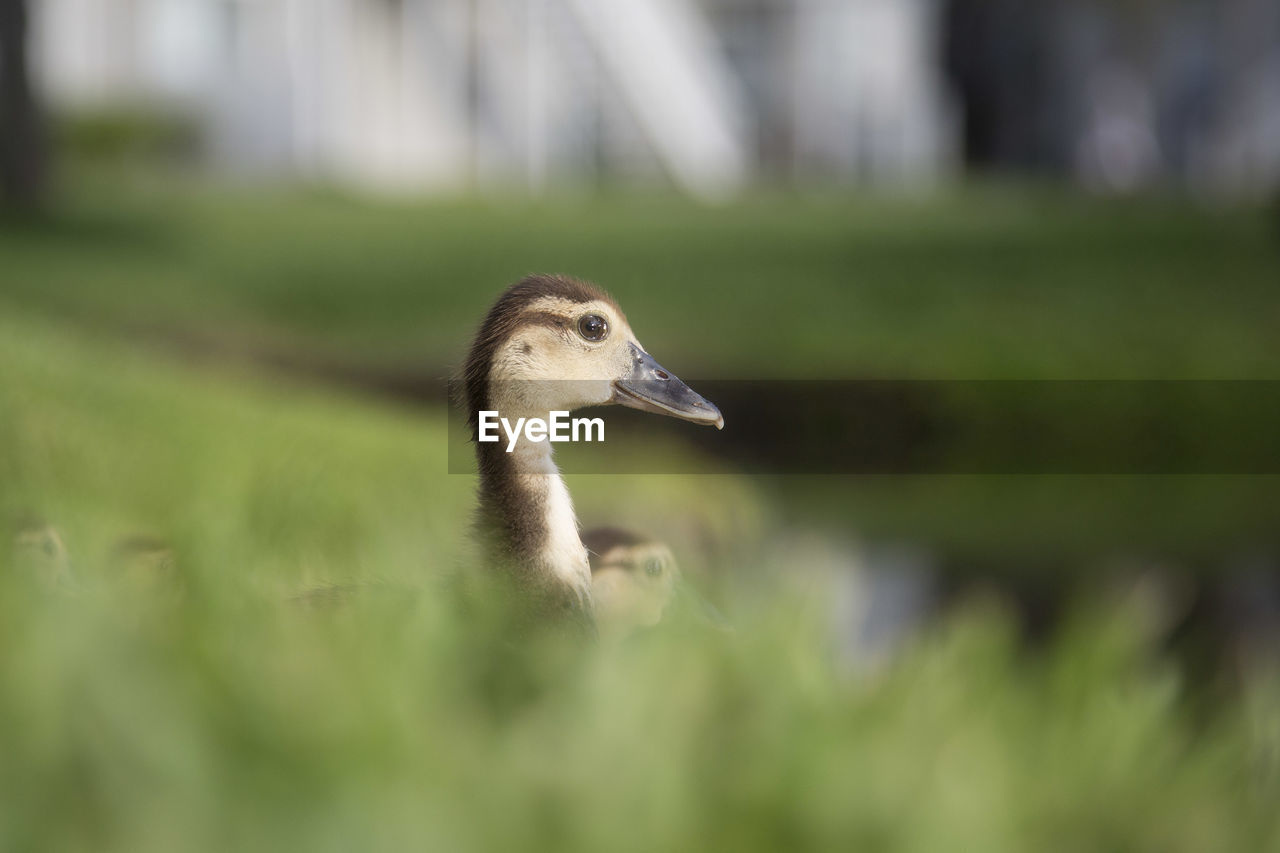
[(222, 715), (229, 718), (979, 285)]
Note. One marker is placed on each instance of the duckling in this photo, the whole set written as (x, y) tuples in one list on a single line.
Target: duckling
[(553, 343), (139, 565), (146, 566), (633, 580), (40, 555)]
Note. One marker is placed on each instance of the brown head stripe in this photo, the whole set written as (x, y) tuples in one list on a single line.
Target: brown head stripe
[(602, 540)]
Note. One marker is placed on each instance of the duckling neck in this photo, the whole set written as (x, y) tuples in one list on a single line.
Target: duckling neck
[(528, 518)]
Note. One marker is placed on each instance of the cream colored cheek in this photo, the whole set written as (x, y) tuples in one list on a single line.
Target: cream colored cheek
[(622, 360), (519, 359), (609, 588)]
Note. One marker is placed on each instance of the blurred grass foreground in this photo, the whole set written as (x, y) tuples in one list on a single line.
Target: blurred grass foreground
[(177, 696)]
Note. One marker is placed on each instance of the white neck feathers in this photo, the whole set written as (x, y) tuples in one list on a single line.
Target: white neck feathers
[(561, 553)]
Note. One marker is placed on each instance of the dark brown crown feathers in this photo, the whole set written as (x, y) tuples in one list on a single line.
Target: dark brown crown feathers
[(601, 540), (511, 310)]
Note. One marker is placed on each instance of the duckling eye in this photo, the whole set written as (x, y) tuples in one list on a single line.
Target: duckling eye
[(653, 567), (593, 327)]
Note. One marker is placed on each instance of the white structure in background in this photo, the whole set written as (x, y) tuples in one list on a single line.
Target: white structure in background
[(866, 94), (447, 95)]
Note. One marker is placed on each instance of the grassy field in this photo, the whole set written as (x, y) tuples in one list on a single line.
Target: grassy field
[(188, 702), (982, 285)]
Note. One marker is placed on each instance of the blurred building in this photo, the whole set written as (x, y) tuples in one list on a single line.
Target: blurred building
[(1120, 96), (451, 95)]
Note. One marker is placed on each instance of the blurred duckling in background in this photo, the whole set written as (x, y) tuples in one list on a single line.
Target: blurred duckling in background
[(40, 556), (146, 566), (634, 580), (139, 567)]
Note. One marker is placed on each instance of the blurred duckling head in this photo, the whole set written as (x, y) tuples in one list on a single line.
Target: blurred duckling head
[(633, 579), (145, 567), (40, 555)]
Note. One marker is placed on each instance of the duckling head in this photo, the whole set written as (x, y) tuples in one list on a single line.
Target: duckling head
[(40, 555), (552, 343)]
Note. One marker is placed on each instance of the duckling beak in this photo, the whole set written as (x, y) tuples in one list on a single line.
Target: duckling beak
[(690, 604), (650, 387)]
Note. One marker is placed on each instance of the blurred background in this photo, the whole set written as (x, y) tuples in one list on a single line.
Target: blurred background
[(711, 97), (243, 247)]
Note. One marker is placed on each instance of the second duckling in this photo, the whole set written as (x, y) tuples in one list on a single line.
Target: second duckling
[(634, 579)]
